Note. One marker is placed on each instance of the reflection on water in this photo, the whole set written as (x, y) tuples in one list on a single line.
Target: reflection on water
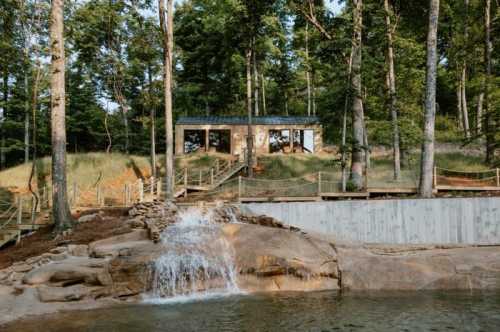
[(321, 311)]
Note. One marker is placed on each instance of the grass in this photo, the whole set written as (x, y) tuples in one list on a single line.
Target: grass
[(85, 169)]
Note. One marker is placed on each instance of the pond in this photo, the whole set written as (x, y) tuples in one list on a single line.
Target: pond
[(317, 311)]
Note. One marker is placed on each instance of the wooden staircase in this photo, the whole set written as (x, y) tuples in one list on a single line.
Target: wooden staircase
[(209, 180), (15, 220)]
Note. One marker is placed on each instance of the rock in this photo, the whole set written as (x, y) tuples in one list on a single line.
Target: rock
[(279, 259), (21, 268), (16, 276), (33, 260), (58, 250), (421, 269), (74, 270), (59, 257), (71, 293), (154, 232), (89, 217), (79, 250)]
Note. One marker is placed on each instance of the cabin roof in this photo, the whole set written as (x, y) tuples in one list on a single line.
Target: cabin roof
[(243, 120)]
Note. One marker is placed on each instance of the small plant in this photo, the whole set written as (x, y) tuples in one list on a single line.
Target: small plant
[(350, 186)]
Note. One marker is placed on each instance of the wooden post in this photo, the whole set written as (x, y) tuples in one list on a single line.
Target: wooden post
[(498, 177), (152, 185), (200, 179), (217, 166), (140, 187), (33, 209), (211, 176), (239, 188), (435, 177), (319, 183), (19, 217)]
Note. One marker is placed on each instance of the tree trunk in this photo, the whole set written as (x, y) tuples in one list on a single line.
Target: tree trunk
[(459, 104), (255, 79), (465, 111), (26, 120), (286, 103), (153, 124), (344, 125), (125, 124), (427, 160), (357, 102), (264, 106), (391, 80), (167, 27), (33, 173), (313, 93), (249, 112), (479, 113), (489, 128), (5, 91), (308, 74), (463, 77), (60, 208)]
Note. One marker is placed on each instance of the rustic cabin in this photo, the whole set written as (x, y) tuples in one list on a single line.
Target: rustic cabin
[(227, 134)]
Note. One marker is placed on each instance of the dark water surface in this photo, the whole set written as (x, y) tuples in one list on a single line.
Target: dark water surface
[(320, 311)]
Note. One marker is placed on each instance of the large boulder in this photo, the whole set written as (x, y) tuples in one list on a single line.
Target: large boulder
[(70, 271), (431, 268), (280, 259), (70, 293)]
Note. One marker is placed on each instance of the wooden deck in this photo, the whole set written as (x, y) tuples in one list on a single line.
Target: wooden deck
[(465, 188)]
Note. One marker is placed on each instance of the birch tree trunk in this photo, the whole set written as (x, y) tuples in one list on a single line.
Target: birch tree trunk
[(357, 101), (427, 160), (459, 103), (167, 27), (60, 208), (488, 119), (391, 76), (249, 113)]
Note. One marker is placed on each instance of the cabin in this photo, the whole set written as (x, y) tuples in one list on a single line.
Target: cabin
[(227, 134)]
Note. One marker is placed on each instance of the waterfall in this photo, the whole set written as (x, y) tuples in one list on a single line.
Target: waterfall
[(198, 260)]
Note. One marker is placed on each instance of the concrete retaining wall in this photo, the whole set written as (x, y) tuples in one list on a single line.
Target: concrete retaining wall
[(419, 221)]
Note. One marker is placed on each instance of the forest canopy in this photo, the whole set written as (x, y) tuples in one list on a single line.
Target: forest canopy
[(299, 67)]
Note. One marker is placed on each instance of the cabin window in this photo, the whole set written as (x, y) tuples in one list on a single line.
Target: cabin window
[(279, 141), (194, 140), (219, 140), (303, 141)]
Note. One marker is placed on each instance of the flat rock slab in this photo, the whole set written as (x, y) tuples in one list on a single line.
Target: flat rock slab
[(464, 268)]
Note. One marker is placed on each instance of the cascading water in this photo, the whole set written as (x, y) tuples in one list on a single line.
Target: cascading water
[(198, 260)]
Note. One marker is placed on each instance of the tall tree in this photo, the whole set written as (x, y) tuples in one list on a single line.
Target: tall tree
[(391, 80), (488, 49), (427, 159), (357, 99), (60, 208), (167, 29), (249, 112)]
